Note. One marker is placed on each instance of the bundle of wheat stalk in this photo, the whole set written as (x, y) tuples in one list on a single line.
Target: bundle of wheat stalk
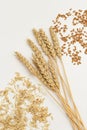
[(46, 69)]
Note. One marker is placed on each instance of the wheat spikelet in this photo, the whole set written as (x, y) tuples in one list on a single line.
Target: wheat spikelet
[(36, 51), (33, 47), (53, 72), (55, 42), (47, 42), (41, 42), (44, 71), (41, 78), (26, 63), (38, 60)]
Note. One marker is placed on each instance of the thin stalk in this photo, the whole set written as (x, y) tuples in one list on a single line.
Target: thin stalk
[(69, 92), (63, 82), (64, 91), (70, 113), (67, 87)]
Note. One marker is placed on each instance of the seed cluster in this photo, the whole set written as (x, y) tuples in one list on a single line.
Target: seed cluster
[(72, 31), (21, 106)]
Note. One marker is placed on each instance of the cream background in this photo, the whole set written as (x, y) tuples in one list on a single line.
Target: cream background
[(17, 18)]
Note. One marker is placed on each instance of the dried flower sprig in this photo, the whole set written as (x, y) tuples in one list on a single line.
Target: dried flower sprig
[(49, 73)]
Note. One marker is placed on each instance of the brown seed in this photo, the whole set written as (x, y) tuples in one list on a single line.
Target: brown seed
[(75, 35)]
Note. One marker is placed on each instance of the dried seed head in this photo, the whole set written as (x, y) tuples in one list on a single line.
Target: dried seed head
[(26, 63), (33, 47), (44, 71), (46, 41), (55, 42), (53, 72), (46, 74), (41, 42), (36, 50)]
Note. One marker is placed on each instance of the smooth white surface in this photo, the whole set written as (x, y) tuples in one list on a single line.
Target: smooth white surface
[(17, 18)]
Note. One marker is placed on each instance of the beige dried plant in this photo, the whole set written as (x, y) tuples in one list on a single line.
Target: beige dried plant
[(55, 42), (48, 72), (48, 44), (41, 42), (26, 63)]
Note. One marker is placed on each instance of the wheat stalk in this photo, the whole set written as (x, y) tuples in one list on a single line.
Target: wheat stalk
[(58, 52), (48, 73)]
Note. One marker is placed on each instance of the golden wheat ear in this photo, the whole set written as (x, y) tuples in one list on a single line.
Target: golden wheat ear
[(55, 41), (26, 63), (40, 42), (33, 47), (44, 42), (47, 42)]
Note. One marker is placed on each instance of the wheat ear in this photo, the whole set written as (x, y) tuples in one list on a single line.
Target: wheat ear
[(56, 44), (26, 63), (48, 44), (41, 42)]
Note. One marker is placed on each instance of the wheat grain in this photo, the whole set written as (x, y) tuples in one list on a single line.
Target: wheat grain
[(25, 101)]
